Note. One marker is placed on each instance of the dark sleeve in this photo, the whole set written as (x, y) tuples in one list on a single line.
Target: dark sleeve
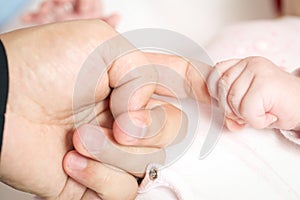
[(3, 88)]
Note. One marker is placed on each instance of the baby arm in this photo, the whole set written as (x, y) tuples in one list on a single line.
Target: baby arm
[(255, 91)]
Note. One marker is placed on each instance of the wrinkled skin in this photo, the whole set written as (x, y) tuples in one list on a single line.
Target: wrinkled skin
[(44, 62)]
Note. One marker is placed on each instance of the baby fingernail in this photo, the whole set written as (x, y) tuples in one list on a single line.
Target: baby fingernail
[(76, 162), (92, 139), (273, 118), (240, 121)]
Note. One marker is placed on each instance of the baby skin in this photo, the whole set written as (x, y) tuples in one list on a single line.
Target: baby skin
[(252, 91), (256, 92)]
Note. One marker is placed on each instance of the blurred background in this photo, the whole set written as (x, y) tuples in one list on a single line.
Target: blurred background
[(199, 20)]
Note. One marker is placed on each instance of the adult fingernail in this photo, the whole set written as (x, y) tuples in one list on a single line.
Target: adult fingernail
[(76, 162), (92, 138)]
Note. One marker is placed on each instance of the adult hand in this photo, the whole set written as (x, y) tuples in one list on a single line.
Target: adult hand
[(44, 63), (255, 91), (61, 10), (89, 141)]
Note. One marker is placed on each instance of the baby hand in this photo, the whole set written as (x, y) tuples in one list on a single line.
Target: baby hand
[(255, 91)]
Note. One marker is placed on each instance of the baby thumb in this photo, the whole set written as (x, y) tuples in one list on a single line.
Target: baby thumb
[(263, 121), (270, 119)]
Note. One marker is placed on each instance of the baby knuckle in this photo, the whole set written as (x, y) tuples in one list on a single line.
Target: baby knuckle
[(233, 99), (244, 112), (256, 59), (226, 77)]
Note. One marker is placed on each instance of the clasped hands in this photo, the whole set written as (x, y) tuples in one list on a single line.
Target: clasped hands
[(53, 147), (43, 152)]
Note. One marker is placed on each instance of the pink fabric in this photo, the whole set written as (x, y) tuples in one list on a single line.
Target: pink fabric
[(277, 40), (167, 186)]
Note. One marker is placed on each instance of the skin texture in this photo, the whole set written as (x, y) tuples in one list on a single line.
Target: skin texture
[(164, 138), (37, 154), (254, 91), (39, 118)]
